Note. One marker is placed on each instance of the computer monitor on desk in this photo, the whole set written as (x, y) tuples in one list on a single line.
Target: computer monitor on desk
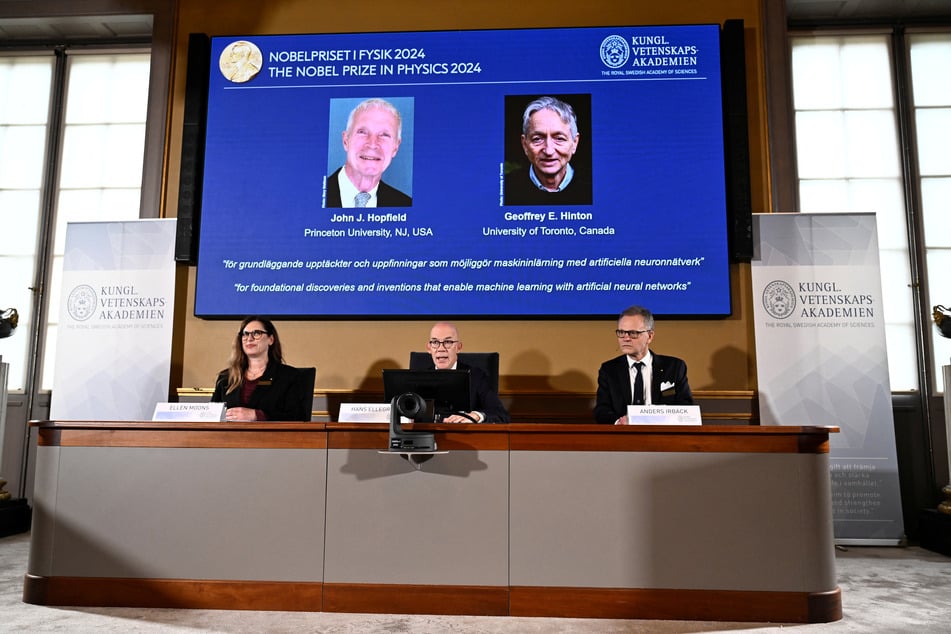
[(445, 391)]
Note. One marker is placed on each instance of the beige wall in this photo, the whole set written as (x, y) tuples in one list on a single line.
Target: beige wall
[(552, 355)]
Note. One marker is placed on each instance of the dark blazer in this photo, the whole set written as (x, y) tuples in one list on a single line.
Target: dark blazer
[(520, 190), (386, 195), (614, 386), (283, 393), (482, 398)]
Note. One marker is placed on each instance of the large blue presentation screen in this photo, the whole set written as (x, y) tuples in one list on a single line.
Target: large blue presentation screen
[(616, 198)]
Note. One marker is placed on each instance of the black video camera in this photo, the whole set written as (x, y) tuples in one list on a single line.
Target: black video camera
[(410, 405)]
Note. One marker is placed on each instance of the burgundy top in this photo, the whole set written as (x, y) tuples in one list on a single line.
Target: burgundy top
[(247, 388)]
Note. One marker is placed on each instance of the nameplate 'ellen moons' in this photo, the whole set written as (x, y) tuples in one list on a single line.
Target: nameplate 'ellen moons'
[(198, 412)]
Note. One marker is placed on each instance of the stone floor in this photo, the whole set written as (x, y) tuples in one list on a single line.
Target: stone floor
[(884, 590)]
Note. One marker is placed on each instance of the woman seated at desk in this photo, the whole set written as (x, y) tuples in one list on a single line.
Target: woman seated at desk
[(257, 385)]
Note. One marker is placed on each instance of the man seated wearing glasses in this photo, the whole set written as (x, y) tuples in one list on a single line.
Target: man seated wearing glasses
[(638, 377), (444, 345)]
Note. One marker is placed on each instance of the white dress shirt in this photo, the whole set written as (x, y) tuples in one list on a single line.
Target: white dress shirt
[(348, 191)]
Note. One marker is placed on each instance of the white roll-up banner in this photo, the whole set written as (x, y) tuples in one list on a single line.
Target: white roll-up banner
[(114, 340), (821, 358)]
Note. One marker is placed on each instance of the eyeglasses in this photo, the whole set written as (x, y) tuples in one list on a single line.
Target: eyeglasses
[(436, 344), (253, 335), (633, 334)]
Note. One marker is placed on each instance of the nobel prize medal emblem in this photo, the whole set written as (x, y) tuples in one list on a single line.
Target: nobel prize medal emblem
[(241, 61)]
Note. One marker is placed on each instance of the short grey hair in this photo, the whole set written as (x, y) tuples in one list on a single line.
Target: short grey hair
[(564, 111), (634, 311), (372, 103)]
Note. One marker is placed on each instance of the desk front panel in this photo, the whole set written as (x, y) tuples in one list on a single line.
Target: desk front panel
[(445, 523), (705, 520), (179, 513), (542, 520)]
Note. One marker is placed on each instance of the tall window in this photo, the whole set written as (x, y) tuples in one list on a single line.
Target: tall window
[(849, 160), (99, 128), (24, 115), (930, 56)]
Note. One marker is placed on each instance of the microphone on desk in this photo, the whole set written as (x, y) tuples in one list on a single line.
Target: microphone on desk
[(440, 417)]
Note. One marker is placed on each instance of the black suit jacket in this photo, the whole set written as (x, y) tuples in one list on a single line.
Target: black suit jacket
[(614, 386), (386, 195), (482, 398), (281, 393)]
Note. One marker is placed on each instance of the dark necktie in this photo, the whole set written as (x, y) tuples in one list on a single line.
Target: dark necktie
[(638, 384), (361, 199)]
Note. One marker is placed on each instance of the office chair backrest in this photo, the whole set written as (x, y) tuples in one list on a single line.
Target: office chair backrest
[(488, 362), (306, 379)]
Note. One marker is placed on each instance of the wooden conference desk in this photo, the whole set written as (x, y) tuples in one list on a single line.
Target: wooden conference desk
[(712, 523)]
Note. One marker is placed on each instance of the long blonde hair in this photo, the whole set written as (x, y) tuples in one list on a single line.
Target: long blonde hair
[(238, 363)]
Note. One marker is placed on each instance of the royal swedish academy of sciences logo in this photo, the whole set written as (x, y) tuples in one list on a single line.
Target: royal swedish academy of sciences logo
[(614, 51), (81, 303), (779, 299)]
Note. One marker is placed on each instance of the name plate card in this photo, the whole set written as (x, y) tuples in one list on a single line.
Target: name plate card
[(663, 415), (364, 413), (196, 412)]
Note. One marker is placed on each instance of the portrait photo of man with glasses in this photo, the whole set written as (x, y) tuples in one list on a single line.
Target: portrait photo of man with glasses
[(639, 376)]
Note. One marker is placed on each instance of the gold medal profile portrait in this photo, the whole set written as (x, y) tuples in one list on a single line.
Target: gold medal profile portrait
[(241, 61)]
